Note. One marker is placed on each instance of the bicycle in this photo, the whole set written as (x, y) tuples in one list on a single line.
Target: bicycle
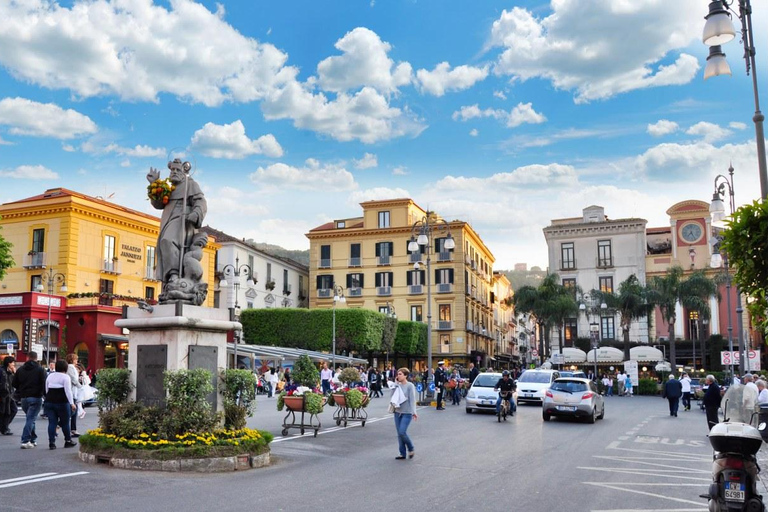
[(505, 405)]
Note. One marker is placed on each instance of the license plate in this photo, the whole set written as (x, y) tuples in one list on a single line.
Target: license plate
[(528, 395), (489, 402), (735, 491), (565, 408)]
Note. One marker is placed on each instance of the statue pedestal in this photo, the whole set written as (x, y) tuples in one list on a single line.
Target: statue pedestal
[(174, 337)]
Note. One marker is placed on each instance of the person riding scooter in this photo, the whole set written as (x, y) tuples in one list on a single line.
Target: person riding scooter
[(506, 387)]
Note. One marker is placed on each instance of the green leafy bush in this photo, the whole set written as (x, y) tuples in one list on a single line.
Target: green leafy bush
[(349, 375), (114, 385), (648, 387), (131, 419), (313, 403), (355, 399), (238, 388), (187, 409), (305, 372)]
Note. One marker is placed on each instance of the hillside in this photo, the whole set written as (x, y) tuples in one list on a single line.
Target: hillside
[(298, 256), (520, 278)]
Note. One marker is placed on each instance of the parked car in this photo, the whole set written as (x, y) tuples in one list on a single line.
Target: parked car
[(695, 385), (578, 374), (573, 397), (532, 384), (481, 396)]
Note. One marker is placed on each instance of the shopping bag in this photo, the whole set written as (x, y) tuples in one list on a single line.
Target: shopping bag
[(80, 411)]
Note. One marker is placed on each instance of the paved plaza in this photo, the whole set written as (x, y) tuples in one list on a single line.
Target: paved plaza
[(638, 458)]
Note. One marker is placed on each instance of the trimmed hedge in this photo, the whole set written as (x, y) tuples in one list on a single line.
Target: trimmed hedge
[(411, 338)]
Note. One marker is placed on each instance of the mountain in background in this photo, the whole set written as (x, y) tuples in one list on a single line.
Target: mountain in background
[(520, 278), (275, 250)]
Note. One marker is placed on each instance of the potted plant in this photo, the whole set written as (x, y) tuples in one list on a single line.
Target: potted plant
[(303, 395), (346, 394), (270, 285)]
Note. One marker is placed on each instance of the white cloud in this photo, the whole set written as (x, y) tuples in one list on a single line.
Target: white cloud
[(473, 132), (136, 50), (313, 176), (125, 163), (368, 161), (708, 132), (443, 79), (364, 62), (662, 127), (522, 113), (29, 172), (4, 142), (377, 194), (230, 141), (689, 162), (26, 117), (500, 95), (552, 175), (226, 203), (69, 148), (138, 151), (737, 125), (598, 52), (400, 171)]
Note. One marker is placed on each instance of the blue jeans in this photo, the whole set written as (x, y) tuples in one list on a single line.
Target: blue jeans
[(31, 407), (58, 414), (401, 424), (508, 399)]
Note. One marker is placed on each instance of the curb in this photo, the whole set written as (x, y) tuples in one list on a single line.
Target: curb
[(207, 465)]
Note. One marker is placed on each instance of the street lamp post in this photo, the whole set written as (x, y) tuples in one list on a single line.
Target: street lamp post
[(719, 30), (594, 327), (426, 227), (234, 271), (338, 296), (717, 210), (51, 277), (391, 314)]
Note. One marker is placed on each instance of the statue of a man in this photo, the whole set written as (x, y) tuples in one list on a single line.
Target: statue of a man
[(183, 214)]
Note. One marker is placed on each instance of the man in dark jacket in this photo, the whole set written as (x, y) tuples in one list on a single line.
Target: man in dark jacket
[(673, 390), (473, 373), (29, 382), (440, 379), (712, 401), (8, 407)]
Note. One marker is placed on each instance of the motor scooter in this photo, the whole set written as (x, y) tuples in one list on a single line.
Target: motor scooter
[(734, 468)]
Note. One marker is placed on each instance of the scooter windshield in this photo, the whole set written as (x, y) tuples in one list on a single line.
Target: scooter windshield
[(739, 404)]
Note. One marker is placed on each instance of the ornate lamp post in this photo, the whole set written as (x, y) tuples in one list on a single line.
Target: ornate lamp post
[(719, 30), (426, 227), (51, 277), (338, 296), (233, 272), (594, 327), (717, 210)]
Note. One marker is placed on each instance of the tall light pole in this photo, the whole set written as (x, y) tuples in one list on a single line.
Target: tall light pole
[(234, 271), (391, 314), (426, 227), (594, 328), (338, 296), (717, 210), (719, 30), (51, 277)]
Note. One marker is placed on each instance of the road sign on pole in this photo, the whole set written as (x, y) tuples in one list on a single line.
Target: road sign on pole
[(535, 353)]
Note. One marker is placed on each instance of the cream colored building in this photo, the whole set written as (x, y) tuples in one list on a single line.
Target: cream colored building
[(368, 258)]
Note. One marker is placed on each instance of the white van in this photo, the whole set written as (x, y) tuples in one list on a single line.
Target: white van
[(533, 385)]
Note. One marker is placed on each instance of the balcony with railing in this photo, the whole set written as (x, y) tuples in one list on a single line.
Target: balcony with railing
[(415, 289), (444, 287), (324, 293), (444, 256), (286, 289), (149, 274), (470, 326), (383, 291), (413, 257), (383, 260), (604, 262), (35, 260), (111, 266), (444, 325), (356, 262), (355, 292), (324, 263)]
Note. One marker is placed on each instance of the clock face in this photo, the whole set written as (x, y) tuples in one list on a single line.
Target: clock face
[(691, 232)]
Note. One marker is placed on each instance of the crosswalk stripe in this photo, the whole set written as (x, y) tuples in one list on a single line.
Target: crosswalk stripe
[(25, 478), (42, 479)]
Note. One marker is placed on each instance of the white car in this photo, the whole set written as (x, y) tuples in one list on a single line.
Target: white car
[(481, 396), (533, 384)]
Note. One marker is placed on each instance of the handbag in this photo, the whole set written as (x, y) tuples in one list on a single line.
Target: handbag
[(80, 410), (391, 409)]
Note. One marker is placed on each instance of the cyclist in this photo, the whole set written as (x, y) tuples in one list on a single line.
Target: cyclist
[(507, 386)]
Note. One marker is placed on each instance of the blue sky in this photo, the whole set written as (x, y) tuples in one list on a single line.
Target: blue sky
[(504, 114)]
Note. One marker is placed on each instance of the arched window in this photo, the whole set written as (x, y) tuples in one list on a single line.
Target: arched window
[(81, 350), (9, 336)]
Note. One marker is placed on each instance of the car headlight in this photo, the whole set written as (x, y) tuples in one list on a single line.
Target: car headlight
[(471, 394)]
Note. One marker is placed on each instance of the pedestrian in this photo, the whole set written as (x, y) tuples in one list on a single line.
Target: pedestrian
[(711, 401), (287, 376), (473, 373), (672, 391), (620, 384), (749, 398), (456, 378), (74, 377), (686, 383), (628, 384), (59, 404), (762, 397), (440, 381), (372, 380), (271, 382), (405, 411), (29, 382), (8, 408), (325, 378)]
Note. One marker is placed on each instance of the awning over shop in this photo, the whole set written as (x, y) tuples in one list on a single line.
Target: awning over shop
[(606, 355), (291, 354), (645, 354), (663, 366), (571, 355), (112, 338)]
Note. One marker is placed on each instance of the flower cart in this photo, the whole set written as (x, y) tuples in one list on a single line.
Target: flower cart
[(350, 406), (303, 411)]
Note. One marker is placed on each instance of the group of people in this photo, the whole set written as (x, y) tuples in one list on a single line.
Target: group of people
[(450, 383), (622, 382), (59, 392)]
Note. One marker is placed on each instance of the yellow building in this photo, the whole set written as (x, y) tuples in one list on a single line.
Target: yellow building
[(102, 252), (368, 258)]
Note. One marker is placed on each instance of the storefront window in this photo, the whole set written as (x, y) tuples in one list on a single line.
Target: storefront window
[(110, 356), (81, 350)]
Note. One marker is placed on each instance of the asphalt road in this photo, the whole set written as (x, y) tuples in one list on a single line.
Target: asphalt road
[(638, 458)]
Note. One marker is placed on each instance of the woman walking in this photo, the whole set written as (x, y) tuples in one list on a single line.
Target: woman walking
[(59, 404), (404, 398)]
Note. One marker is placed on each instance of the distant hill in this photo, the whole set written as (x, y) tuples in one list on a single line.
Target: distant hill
[(520, 278), (275, 250)]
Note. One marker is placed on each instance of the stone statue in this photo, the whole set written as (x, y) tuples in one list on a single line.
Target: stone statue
[(179, 245)]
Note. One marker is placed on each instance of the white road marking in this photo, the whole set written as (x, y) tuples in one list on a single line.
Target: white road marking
[(25, 478), (648, 472), (652, 510), (691, 456), (42, 479), (645, 493), (687, 470)]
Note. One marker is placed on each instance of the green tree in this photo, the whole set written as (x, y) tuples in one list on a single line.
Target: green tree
[(551, 303), (746, 242), (6, 260), (631, 303)]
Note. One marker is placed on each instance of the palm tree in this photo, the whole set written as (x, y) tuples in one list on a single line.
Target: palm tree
[(631, 303)]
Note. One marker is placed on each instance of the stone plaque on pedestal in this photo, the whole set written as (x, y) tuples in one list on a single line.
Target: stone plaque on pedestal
[(151, 362), (206, 357)]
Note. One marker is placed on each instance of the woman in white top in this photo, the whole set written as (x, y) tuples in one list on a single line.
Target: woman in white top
[(59, 404), (762, 397), (74, 377)]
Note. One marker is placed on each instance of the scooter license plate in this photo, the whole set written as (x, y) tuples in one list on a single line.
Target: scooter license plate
[(735, 491)]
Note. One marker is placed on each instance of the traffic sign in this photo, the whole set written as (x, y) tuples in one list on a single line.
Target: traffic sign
[(419, 387), (535, 353), (431, 386), (9, 347)]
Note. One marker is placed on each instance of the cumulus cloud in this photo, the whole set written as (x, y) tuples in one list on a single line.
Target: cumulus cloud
[(598, 52), (662, 127), (673, 162), (368, 161), (26, 117), (552, 175), (377, 194), (442, 79), (522, 113), (400, 171), (29, 172), (139, 151), (709, 132), (364, 62), (313, 176), (500, 95), (224, 203), (473, 132), (230, 141), (737, 125)]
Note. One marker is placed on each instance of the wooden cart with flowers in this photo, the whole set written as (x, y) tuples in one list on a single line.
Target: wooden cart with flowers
[(350, 405), (303, 407)]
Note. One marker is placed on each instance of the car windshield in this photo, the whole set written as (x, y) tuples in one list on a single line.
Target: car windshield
[(566, 374), (486, 381), (569, 386), (536, 377)]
